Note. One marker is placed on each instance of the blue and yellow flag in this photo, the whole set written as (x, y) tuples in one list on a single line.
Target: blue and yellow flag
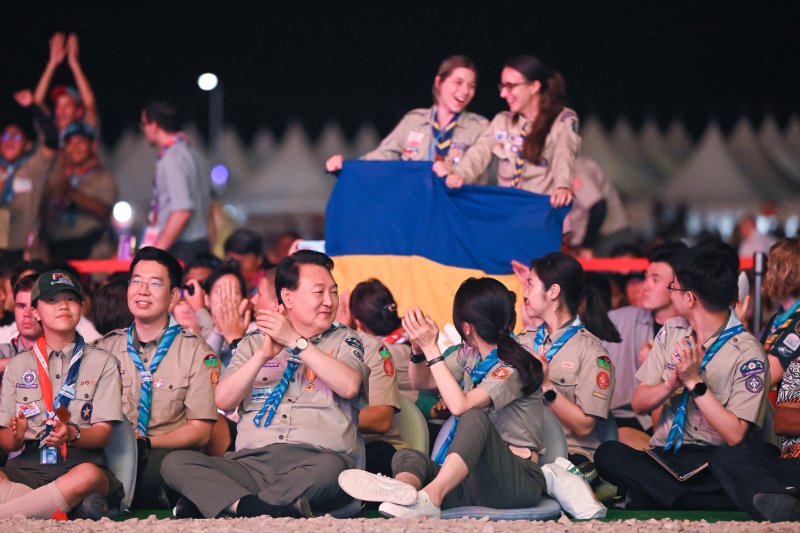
[(397, 222)]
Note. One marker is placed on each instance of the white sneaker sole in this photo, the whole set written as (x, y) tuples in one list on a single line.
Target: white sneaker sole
[(389, 510), (364, 486)]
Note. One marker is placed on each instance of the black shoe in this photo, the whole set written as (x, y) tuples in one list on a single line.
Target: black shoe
[(777, 507), (185, 508), (93, 507)]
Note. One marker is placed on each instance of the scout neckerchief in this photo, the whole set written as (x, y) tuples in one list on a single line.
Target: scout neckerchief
[(780, 322), (146, 394), (519, 163), (272, 402), (562, 340), (152, 217), (67, 391), (398, 336), (442, 136), (675, 437), (11, 170), (476, 376)]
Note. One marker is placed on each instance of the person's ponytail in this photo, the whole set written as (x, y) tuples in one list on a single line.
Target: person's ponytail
[(529, 367), (594, 315)]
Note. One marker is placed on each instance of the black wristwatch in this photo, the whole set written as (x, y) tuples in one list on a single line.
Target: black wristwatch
[(549, 396), (699, 389), (417, 358), (234, 343)]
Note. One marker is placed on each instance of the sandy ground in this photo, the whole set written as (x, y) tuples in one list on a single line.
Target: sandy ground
[(332, 525)]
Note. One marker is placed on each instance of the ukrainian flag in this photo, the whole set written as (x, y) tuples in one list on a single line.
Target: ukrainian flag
[(397, 222)]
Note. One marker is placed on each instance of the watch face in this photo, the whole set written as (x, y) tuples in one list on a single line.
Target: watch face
[(301, 343)]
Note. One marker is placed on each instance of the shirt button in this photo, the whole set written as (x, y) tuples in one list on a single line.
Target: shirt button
[(25, 399), (170, 387), (145, 360), (85, 395), (292, 380), (280, 437), (58, 376), (695, 428), (264, 379), (735, 339), (284, 416), (562, 380), (289, 400)]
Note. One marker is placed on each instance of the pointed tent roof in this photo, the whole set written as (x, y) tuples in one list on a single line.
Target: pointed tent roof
[(331, 142), (197, 139), (678, 140), (626, 144), (711, 177), (367, 139), (230, 152), (654, 146), (261, 149), (134, 174), (769, 136), (125, 145), (747, 152)]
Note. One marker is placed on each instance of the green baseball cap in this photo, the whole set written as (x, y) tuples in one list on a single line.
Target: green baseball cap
[(51, 283)]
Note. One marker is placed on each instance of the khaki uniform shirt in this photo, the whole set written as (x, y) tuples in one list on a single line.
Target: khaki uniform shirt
[(503, 139), (401, 354), (518, 418), (411, 139), (28, 186), (182, 387), (582, 372), (97, 397), (382, 388), (735, 376), (71, 222), (310, 412)]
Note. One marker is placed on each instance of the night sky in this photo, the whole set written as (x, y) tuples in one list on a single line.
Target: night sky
[(355, 62)]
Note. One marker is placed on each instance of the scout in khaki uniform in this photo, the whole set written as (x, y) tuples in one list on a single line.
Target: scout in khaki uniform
[(294, 383), (709, 375), (59, 401), (441, 133), (490, 455), (536, 141), (168, 373), (579, 376), (28, 327)]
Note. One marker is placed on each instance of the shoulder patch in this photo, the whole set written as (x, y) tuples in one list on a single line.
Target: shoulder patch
[(214, 377), (355, 343), (384, 352), (601, 395), (602, 380), (792, 341), (604, 362), (501, 373), (211, 361), (754, 384), (752, 367)]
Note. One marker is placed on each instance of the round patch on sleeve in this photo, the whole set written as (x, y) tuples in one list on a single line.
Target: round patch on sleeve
[(501, 373), (602, 380), (211, 360), (754, 384), (604, 362), (214, 377), (388, 367)]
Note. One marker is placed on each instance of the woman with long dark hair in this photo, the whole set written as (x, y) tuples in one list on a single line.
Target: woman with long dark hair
[(536, 141), (578, 374), (495, 440)]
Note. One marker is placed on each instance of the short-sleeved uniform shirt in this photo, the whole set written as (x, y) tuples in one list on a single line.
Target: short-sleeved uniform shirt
[(97, 397), (10, 349), (310, 412), (786, 345), (182, 387), (516, 416), (71, 222), (383, 389), (789, 394), (582, 372), (412, 138), (735, 376), (28, 188), (401, 355), (635, 326), (503, 140), (181, 185)]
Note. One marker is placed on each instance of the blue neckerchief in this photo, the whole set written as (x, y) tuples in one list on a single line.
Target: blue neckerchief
[(146, 394), (11, 171), (558, 344), (675, 437), (442, 137), (67, 391), (477, 375)]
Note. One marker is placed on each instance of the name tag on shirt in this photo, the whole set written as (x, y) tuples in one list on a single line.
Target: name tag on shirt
[(22, 185), (29, 409), (260, 394)]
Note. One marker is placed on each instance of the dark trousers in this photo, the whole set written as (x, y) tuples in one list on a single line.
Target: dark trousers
[(650, 486), (750, 469), (497, 478), (151, 491), (379, 457)]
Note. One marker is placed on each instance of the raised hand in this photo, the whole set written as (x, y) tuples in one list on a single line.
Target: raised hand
[(421, 329), (72, 49), (57, 50), (334, 163), (24, 97)]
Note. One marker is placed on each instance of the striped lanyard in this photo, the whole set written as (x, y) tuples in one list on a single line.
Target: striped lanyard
[(538, 341), (442, 137)]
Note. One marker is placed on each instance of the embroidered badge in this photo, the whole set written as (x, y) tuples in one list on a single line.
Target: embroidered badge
[(501, 373), (415, 138), (29, 409), (500, 135), (86, 412), (214, 377), (751, 367), (355, 343), (604, 362), (59, 278), (600, 395), (29, 380), (157, 383), (567, 364), (388, 367), (260, 394), (792, 341), (754, 384), (211, 361), (358, 355), (602, 380), (384, 353), (272, 363)]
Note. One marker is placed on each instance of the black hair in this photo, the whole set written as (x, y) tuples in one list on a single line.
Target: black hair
[(225, 270), (667, 253), (372, 303), (287, 276), (489, 307), (244, 241), (162, 257), (25, 283), (23, 124), (601, 283), (109, 309), (711, 271), (38, 266), (564, 270), (204, 260), (165, 115)]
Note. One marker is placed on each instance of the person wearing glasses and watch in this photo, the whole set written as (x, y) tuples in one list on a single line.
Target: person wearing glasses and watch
[(495, 393), (59, 401), (536, 141), (709, 374), (297, 385), (441, 133), (168, 374), (579, 376)]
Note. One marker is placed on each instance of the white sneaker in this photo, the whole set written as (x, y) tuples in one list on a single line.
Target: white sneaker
[(365, 486), (422, 507)]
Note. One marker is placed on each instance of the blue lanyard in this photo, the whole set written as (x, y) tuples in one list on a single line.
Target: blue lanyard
[(562, 340)]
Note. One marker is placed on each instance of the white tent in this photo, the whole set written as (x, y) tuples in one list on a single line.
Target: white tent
[(230, 152), (678, 140), (125, 145), (625, 143), (654, 147), (747, 152), (769, 136), (196, 138), (331, 142), (367, 139), (134, 172), (261, 149)]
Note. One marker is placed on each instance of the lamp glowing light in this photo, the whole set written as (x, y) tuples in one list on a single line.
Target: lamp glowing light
[(207, 81), (123, 213), (219, 175)]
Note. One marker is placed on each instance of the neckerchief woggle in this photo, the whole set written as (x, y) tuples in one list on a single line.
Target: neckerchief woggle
[(675, 437), (442, 137), (11, 171), (146, 393), (780, 322), (477, 375), (67, 391), (562, 340), (272, 402)]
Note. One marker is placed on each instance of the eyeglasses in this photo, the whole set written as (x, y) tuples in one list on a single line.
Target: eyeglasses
[(12, 137), (672, 288), (138, 283), (510, 86)]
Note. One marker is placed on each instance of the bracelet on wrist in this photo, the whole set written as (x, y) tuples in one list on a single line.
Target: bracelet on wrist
[(434, 361)]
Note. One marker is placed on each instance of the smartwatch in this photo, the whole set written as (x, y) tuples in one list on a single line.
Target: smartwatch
[(234, 343), (417, 358), (299, 345), (549, 396), (699, 389)]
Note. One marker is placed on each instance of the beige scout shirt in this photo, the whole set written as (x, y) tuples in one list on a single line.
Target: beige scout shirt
[(518, 418), (98, 183), (97, 397), (735, 376), (28, 186), (503, 139), (383, 389), (310, 412), (183, 385), (582, 372), (411, 139), (401, 355)]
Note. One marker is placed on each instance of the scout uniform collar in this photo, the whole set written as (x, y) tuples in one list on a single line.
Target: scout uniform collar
[(137, 343), (731, 322)]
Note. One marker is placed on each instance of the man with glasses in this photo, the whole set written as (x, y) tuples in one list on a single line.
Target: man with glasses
[(708, 374), (168, 374)]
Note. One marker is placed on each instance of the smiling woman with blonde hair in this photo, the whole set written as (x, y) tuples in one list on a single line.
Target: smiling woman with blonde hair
[(781, 338)]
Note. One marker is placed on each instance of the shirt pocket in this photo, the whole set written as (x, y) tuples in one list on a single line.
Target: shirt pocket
[(169, 395), (566, 381), (31, 399), (83, 404)]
